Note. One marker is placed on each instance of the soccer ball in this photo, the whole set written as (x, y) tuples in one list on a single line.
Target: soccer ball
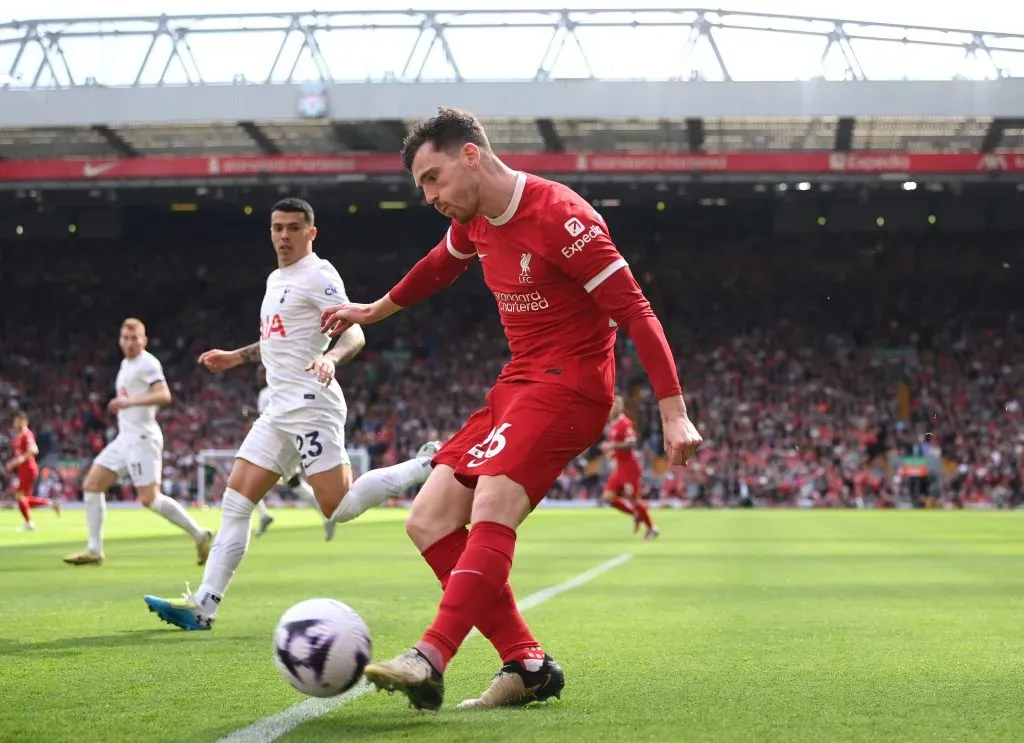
[(321, 647)]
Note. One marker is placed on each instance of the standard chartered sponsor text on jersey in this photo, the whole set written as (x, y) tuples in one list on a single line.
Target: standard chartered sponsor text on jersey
[(525, 302)]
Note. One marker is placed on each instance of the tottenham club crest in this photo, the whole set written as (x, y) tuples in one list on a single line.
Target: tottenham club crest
[(524, 269)]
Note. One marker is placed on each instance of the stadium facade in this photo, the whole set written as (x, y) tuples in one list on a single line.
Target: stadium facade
[(114, 112)]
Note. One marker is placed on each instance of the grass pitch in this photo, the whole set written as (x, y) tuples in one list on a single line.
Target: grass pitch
[(733, 626)]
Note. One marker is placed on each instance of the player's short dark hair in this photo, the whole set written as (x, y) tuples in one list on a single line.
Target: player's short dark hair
[(447, 130), (293, 205)]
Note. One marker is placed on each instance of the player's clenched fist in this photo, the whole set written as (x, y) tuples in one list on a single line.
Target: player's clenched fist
[(217, 360), (681, 439)]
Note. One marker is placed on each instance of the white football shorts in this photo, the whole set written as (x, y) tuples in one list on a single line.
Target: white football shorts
[(140, 456), (308, 438)]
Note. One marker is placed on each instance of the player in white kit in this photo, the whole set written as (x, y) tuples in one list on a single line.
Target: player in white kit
[(305, 420), (136, 451), (292, 479)]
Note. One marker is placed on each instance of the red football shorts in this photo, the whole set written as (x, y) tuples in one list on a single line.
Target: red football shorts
[(624, 482), (527, 431), (27, 481)]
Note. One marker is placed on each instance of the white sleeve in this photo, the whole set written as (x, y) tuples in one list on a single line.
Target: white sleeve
[(327, 288), (152, 371)]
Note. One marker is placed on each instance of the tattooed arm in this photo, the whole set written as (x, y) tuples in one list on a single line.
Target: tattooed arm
[(218, 360), (250, 354)]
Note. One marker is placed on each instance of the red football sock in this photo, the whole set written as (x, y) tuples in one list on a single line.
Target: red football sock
[(623, 505), (23, 507), (34, 502), (476, 581), (444, 554), (501, 622), (641, 513)]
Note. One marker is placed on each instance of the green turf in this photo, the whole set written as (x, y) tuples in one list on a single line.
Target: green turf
[(734, 626)]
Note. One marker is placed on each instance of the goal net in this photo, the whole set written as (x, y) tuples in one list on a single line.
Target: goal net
[(214, 465)]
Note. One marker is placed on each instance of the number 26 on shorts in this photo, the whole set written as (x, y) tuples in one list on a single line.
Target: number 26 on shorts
[(489, 447)]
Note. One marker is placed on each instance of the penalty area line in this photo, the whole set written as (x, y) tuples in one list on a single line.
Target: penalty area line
[(273, 727)]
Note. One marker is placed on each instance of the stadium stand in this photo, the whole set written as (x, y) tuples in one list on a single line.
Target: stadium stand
[(887, 370)]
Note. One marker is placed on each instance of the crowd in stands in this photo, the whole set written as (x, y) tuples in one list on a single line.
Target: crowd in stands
[(822, 372)]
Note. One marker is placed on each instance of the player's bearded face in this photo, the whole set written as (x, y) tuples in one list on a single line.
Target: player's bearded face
[(461, 200), (450, 182)]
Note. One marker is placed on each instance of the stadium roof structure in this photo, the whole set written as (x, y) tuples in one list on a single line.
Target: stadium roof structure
[(331, 84)]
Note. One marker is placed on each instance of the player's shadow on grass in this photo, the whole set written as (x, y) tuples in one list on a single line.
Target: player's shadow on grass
[(354, 724), (356, 727), (146, 637)]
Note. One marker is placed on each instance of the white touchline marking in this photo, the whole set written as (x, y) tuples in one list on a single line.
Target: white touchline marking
[(273, 727)]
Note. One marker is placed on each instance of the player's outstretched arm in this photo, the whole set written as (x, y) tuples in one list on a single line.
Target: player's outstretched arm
[(622, 298), (432, 273), (218, 360), (340, 318), (604, 274)]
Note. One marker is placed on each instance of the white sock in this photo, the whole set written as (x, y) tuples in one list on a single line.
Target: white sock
[(376, 486), (264, 512), (171, 510), (229, 548), (95, 515), (306, 491)]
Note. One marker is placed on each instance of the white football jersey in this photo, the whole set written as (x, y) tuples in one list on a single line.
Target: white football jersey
[(290, 334), (134, 379), (263, 400)]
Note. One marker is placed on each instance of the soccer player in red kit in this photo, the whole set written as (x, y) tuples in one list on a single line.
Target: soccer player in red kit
[(562, 290), (622, 491), (24, 462)]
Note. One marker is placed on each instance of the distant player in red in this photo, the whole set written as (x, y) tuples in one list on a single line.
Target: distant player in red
[(24, 463), (622, 491), (562, 290)]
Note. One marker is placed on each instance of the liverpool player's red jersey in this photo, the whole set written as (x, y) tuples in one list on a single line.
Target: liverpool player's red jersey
[(620, 431), (25, 442), (542, 259)]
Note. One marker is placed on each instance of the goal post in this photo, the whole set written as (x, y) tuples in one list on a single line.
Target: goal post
[(214, 465)]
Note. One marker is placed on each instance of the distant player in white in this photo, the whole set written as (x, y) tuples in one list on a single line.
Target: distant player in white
[(137, 451), (292, 479), (305, 420)]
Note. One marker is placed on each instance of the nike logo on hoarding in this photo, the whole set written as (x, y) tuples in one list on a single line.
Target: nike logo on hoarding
[(91, 171)]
